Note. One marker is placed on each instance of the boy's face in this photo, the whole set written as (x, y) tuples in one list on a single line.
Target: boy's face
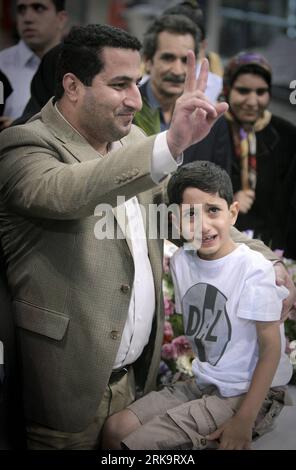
[(215, 219)]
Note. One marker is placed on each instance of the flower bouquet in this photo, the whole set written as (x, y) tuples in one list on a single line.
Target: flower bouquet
[(176, 354)]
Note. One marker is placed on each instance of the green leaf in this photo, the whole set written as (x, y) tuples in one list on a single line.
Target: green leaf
[(148, 119), (176, 321)]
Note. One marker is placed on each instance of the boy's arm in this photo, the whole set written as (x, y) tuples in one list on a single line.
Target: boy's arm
[(236, 433), (282, 276)]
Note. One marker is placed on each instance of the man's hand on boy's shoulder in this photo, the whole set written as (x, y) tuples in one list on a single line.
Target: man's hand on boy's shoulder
[(283, 278)]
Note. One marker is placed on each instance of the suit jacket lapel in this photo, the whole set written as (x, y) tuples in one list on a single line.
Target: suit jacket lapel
[(65, 133)]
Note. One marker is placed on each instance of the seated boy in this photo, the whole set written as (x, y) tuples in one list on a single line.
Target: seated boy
[(231, 308)]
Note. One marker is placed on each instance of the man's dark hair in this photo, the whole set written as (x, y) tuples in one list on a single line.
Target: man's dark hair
[(202, 175), (175, 24), (81, 52), (59, 4), (193, 11)]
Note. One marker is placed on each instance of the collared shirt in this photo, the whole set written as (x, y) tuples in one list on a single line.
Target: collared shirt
[(214, 84), (214, 88), (142, 304), (154, 103), (137, 328), (19, 63)]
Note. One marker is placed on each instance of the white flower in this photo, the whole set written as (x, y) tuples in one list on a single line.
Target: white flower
[(293, 358), (184, 364), (292, 344)]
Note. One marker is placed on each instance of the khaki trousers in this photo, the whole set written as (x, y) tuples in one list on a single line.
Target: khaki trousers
[(181, 415), (116, 397)]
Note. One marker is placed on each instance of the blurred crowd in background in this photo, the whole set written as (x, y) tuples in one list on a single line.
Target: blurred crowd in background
[(231, 26)]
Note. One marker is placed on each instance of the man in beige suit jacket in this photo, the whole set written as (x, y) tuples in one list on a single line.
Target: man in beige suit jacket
[(76, 296)]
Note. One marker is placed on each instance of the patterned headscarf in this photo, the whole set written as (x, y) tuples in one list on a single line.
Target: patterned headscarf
[(240, 63), (245, 144)]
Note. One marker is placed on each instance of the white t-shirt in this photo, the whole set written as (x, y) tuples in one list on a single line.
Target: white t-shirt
[(221, 301)]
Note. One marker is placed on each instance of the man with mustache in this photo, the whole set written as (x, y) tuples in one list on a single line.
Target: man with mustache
[(165, 46)]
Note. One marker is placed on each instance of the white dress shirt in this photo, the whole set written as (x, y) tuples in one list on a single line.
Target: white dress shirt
[(137, 328), (19, 63)]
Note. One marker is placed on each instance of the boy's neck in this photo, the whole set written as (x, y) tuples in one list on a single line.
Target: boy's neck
[(222, 252)]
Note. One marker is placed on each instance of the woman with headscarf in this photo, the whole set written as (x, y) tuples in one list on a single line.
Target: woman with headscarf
[(263, 150)]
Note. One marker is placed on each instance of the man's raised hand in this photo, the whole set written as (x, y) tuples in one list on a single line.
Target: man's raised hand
[(194, 114)]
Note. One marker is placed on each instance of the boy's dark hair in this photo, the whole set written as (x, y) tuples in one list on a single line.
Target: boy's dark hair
[(81, 52), (175, 24), (59, 4), (202, 175)]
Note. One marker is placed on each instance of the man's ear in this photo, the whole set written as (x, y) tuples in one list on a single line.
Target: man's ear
[(63, 18), (233, 212), (71, 85)]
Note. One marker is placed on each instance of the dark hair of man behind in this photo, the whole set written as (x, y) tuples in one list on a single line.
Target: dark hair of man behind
[(175, 24), (59, 4), (194, 12), (81, 52), (202, 175)]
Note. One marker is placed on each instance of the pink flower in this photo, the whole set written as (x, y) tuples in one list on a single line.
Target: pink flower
[(166, 264), (169, 351), (168, 333), (287, 349), (182, 345), (169, 307)]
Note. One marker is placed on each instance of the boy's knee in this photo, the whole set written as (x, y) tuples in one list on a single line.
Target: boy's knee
[(117, 427)]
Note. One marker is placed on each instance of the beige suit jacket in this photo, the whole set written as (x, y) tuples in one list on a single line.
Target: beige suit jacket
[(71, 291)]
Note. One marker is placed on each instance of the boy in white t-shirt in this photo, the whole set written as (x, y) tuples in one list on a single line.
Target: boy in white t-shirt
[(231, 309)]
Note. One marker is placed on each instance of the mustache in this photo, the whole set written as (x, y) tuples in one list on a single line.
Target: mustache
[(174, 78), (127, 110)]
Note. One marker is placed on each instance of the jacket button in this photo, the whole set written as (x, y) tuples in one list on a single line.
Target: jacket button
[(114, 334), (125, 288)]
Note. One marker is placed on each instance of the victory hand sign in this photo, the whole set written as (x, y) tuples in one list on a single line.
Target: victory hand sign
[(194, 114)]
